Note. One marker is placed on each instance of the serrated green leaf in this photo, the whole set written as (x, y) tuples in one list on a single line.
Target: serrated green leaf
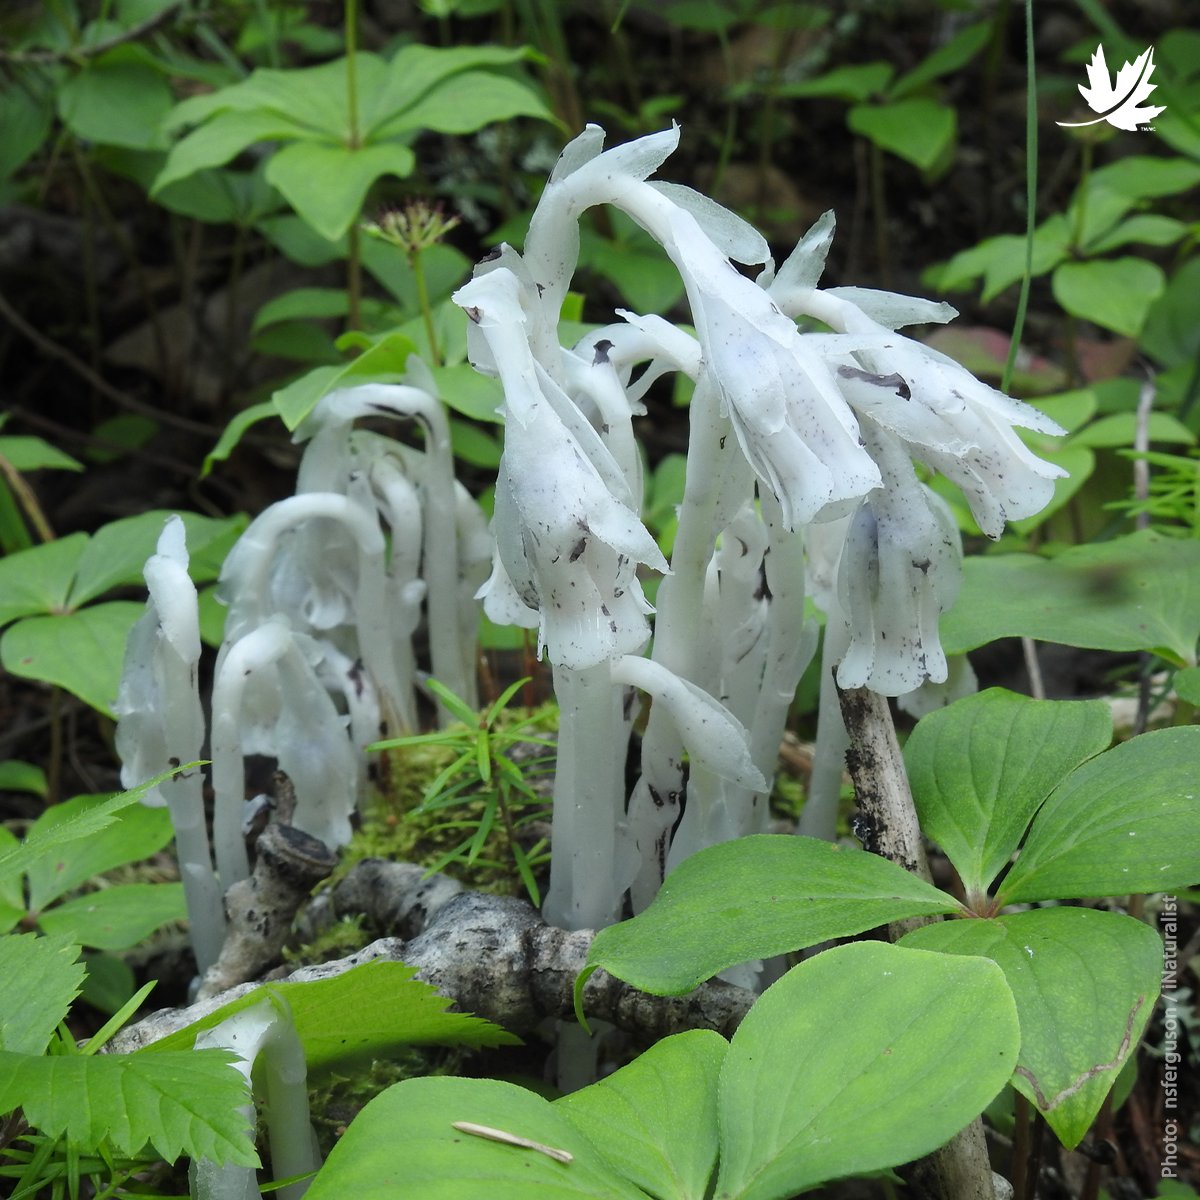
[(655, 1120), (117, 917), (182, 1103), (917, 130), (39, 978), (404, 1143), (858, 1059), (359, 1014), (1125, 821), (756, 897), (81, 651), (137, 833), (1113, 293), (980, 768), (1084, 981), (1138, 592), (346, 175)]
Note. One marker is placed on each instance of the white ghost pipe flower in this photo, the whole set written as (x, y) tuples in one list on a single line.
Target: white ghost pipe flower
[(268, 700), (248, 583), (161, 724), (264, 1034)]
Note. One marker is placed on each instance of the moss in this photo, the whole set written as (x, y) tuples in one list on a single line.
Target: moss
[(340, 940)]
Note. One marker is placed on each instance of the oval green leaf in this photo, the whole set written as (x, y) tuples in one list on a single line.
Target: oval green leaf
[(1114, 293), (861, 1058), (917, 130), (1085, 982), (655, 1120), (980, 768), (753, 898), (404, 1143), (1126, 821)]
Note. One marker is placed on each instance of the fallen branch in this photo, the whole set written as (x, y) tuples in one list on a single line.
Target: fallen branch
[(491, 955)]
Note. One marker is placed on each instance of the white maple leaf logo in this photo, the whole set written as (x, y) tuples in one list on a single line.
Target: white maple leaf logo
[(1119, 102)]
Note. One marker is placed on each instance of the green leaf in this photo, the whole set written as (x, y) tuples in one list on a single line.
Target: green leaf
[(1144, 176), (1084, 981), (183, 1103), (1171, 334), (302, 303), (1114, 293), (38, 580), (386, 360), (81, 652), (1148, 229), (232, 434), (35, 454), (980, 768), (1119, 429), (1139, 592), (1187, 684), (117, 917), (753, 898), (50, 839), (1006, 262), (346, 175), (466, 391), (470, 101), (854, 83), (404, 1143), (655, 1120), (109, 983), (116, 102), (1079, 463), (950, 56), (26, 116), (861, 1058), (136, 834), (39, 978), (1126, 821), (16, 776), (361, 1014), (917, 130)]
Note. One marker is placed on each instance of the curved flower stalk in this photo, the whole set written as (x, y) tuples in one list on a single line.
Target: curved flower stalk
[(161, 724), (264, 1035), (333, 455), (267, 699)]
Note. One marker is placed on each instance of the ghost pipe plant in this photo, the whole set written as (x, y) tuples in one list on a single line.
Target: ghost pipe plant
[(161, 724), (790, 432)]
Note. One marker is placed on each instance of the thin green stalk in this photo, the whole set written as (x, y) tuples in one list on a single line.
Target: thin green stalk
[(418, 270), (1031, 166), (353, 141)]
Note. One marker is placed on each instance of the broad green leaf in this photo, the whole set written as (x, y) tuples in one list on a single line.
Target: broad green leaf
[(753, 898), (109, 983), (917, 130), (416, 71), (474, 446), (1139, 592), (1125, 821), (39, 977), (38, 580), (49, 840), (232, 434), (26, 116), (386, 360), (948, 57), (35, 454), (1148, 229), (980, 768), (81, 651), (361, 1014), (1079, 463), (852, 84), (1187, 684), (1006, 257), (655, 1120), (404, 1143), (182, 1103), (1084, 981), (1113, 293), (864, 1057), (137, 833), (1142, 176), (118, 102), (222, 139), (16, 776), (466, 391), (346, 175), (308, 303), (117, 917), (1171, 334), (468, 102), (444, 266), (1118, 429)]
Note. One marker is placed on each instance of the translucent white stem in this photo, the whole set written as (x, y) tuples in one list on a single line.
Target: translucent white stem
[(819, 817)]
